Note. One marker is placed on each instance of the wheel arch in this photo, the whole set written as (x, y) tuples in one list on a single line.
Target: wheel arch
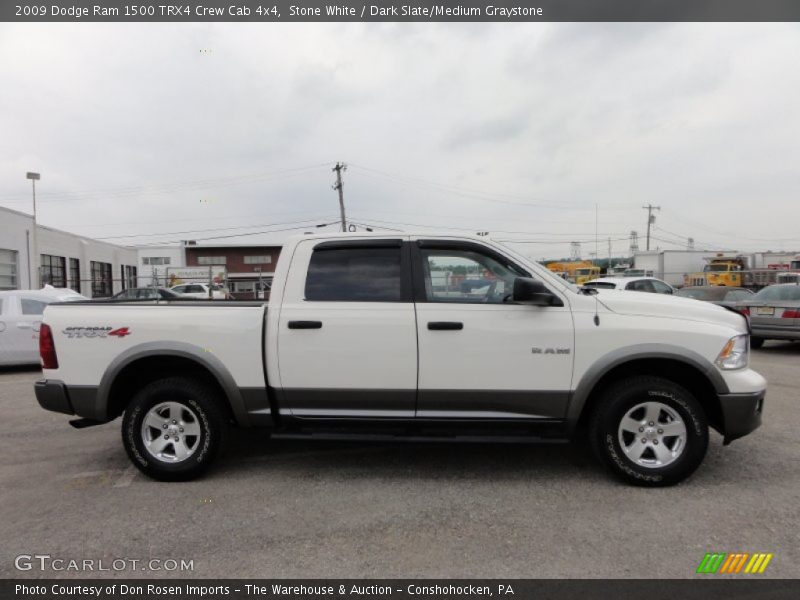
[(679, 365), (147, 362)]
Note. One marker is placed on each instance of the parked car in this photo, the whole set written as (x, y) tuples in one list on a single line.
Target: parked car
[(635, 284), (20, 317), (718, 294), (358, 340), (774, 313), (147, 293), (199, 290)]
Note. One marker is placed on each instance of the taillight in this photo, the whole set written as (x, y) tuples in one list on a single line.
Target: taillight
[(47, 348), (790, 314), (745, 311)]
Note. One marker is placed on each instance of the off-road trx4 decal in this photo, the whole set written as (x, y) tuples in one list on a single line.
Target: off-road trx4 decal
[(96, 332)]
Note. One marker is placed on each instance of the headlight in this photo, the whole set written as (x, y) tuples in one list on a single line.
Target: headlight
[(735, 353)]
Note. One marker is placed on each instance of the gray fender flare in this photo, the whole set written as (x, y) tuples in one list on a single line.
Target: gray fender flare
[(205, 359), (621, 356)]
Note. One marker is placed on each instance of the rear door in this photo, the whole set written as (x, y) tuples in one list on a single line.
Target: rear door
[(481, 357), (347, 341)]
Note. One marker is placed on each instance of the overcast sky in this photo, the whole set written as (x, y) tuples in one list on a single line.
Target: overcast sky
[(190, 131)]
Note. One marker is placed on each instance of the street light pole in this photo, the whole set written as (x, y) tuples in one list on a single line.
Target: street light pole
[(34, 177)]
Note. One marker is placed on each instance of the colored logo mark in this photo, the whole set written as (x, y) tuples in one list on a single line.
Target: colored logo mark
[(736, 562)]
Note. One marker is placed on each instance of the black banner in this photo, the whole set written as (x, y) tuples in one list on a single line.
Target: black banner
[(266, 11), (400, 589)]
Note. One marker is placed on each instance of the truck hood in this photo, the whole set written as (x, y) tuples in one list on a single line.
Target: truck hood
[(662, 305)]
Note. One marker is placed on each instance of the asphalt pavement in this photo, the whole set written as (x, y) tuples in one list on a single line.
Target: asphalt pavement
[(325, 509)]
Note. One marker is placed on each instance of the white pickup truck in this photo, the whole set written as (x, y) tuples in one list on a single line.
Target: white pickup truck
[(423, 337)]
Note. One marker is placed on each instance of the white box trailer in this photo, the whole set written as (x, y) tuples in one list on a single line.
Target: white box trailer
[(671, 265)]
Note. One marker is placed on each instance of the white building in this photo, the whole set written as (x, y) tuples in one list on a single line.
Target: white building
[(154, 262), (93, 268)]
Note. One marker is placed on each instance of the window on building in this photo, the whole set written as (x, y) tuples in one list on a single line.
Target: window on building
[(211, 260), (155, 260), (75, 274), (130, 276), (102, 284), (53, 271), (355, 275), (257, 260), (8, 269)]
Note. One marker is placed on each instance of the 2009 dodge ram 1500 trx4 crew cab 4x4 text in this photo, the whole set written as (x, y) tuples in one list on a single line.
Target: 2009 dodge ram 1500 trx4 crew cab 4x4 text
[(419, 336)]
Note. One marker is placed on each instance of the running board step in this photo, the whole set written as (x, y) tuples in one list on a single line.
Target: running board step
[(368, 437)]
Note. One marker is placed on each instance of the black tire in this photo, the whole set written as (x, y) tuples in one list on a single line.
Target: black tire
[(204, 409), (622, 397), (756, 342)]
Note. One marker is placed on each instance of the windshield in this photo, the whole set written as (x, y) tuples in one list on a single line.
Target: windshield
[(778, 292), (717, 268)]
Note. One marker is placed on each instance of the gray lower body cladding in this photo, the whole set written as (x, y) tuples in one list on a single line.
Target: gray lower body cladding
[(477, 410)]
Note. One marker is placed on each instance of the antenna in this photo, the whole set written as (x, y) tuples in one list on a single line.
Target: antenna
[(596, 313)]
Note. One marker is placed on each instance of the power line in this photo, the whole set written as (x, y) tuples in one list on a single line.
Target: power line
[(478, 228), (166, 188), (220, 237), (468, 193), (132, 235)]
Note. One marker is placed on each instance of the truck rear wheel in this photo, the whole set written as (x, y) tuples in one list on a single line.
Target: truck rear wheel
[(173, 429), (649, 431)]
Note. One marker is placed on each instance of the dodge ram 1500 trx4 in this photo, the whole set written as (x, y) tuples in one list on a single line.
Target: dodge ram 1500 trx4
[(417, 336)]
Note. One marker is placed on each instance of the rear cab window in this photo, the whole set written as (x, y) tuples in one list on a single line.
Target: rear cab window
[(31, 306), (338, 273)]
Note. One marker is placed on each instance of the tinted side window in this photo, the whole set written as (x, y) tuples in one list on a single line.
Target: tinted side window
[(32, 307), (355, 275)]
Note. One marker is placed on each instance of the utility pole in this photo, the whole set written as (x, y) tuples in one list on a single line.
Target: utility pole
[(650, 220), (36, 267), (340, 187)]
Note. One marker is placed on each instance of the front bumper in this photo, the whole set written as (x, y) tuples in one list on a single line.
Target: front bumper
[(52, 395), (741, 413)]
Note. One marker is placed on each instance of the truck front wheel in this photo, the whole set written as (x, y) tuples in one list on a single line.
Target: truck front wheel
[(173, 429), (649, 431)]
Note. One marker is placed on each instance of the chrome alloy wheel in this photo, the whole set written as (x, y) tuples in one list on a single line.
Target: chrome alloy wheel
[(171, 432), (652, 435)]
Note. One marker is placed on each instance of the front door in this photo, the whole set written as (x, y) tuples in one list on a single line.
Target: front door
[(481, 357), (347, 340)]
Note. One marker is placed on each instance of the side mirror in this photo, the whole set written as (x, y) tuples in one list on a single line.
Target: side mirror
[(533, 292)]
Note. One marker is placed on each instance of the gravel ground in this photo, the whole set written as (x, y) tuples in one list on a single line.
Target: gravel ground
[(297, 509)]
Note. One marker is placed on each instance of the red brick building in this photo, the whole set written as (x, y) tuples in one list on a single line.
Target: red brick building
[(249, 268)]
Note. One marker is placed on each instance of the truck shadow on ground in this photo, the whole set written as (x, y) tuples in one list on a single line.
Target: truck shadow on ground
[(250, 453)]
